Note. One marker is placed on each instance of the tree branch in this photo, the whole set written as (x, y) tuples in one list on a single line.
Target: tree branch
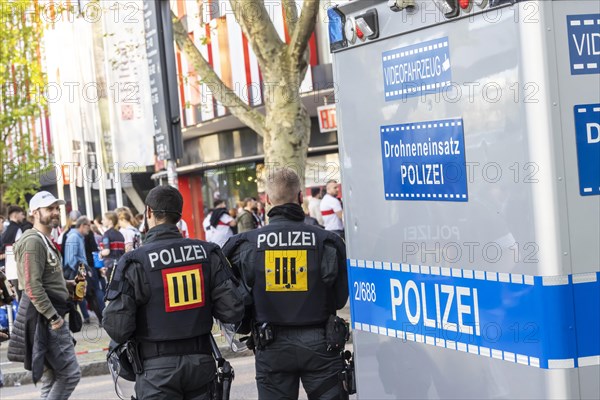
[(259, 30), (291, 15), (225, 95), (304, 28)]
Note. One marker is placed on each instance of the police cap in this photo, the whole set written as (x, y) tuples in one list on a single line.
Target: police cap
[(165, 199)]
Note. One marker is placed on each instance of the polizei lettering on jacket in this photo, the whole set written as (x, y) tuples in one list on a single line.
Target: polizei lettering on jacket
[(286, 239), (176, 255)]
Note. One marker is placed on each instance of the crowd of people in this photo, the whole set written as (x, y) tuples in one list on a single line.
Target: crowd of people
[(323, 208), (283, 293), (78, 241)]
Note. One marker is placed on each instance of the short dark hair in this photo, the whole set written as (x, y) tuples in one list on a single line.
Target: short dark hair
[(314, 192), (15, 209), (218, 202), (248, 200), (166, 203)]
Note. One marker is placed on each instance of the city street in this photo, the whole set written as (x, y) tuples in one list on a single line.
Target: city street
[(102, 387), (428, 168)]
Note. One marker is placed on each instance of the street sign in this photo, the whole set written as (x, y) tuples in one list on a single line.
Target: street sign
[(327, 118), (163, 80)]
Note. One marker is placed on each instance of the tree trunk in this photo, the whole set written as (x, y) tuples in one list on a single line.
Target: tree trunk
[(287, 122)]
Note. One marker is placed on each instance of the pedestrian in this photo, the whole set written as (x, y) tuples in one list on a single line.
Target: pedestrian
[(331, 210), (308, 220), (70, 224), (219, 224), (14, 230), (75, 255), (183, 228), (113, 244), (97, 229), (27, 223), (164, 295), (132, 235), (247, 220), (314, 205), (259, 210), (41, 337), (298, 279)]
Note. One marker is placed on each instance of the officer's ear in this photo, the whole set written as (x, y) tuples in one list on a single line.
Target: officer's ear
[(268, 199), (300, 198)]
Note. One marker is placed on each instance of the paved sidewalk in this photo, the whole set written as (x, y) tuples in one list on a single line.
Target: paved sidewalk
[(91, 349)]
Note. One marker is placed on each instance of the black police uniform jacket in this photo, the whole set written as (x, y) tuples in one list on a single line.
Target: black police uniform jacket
[(296, 272), (169, 289)]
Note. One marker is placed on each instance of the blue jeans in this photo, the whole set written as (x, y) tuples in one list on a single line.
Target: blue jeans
[(59, 381), (84, 309)]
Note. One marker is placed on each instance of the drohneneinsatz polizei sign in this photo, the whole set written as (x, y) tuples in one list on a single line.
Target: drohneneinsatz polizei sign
[(424, 161)]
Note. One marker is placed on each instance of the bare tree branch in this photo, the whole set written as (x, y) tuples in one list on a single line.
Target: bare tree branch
[(304, 28), (291, 14), (259, 30), (225, 95)]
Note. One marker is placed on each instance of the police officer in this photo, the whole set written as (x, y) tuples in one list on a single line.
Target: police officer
[(298, 279), (164, 296)]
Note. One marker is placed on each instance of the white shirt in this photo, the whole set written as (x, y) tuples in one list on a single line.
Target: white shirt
[(132, 237), (183, 228), (314, 209), (221, 232), (208, 231), (329, 206)]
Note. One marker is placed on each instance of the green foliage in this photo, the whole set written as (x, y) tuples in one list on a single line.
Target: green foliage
[(22, 82)]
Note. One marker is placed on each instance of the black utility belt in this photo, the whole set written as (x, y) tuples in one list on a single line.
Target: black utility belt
[(296, 327), (197, 345)]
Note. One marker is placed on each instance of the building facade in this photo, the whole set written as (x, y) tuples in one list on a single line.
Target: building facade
[(222, 157)]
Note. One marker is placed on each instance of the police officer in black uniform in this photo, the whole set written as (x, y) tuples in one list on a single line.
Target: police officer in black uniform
[(164, 296), (298, 279)]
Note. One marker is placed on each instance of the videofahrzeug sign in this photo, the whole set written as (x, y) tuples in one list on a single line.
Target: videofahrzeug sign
[(584, 43), (416, 70)]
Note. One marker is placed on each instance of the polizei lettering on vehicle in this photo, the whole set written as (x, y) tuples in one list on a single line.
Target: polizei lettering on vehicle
[(286, 239), (176, 255)]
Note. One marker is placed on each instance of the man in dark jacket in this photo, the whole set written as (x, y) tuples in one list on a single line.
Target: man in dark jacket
[(248, 220), (12, 232), (164, 295), (41, 336), (298, 279)]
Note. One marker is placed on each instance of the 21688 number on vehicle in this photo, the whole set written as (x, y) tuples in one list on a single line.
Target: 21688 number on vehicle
[(364, 291)]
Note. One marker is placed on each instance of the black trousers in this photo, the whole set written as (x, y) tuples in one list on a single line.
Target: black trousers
[(176, 378), (298, 354)]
